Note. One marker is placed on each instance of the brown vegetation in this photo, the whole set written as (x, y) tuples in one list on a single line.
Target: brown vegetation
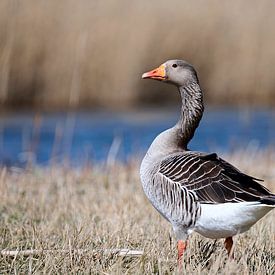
[(91, 53), (90, 209)]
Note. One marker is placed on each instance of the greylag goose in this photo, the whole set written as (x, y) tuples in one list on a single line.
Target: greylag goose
[(196, 191)]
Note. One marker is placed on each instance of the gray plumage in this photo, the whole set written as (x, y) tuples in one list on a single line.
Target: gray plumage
[(177, 181)]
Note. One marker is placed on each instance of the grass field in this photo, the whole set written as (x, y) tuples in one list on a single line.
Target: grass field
[(91, 208)]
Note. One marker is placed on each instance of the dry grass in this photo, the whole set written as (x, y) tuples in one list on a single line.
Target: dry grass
[(89, 208), (92, 53)]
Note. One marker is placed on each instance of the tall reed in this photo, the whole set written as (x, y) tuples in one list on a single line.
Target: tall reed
[(58, 54)]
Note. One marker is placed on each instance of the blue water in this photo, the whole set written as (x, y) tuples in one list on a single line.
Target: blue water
[(85, 136)]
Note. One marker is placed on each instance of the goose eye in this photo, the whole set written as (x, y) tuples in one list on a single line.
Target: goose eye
[(174, 65)]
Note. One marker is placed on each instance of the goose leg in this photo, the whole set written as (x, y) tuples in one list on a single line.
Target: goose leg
[(228, 243), (181, 248)]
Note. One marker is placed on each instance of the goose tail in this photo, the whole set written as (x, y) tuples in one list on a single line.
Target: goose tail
[(268, 200)]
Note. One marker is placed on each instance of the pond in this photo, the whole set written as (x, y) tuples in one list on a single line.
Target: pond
[(79, 137)]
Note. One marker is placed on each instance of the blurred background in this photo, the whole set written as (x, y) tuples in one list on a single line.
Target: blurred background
[(70, 76)]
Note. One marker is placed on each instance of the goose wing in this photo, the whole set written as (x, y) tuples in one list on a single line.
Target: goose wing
[(211, 178)]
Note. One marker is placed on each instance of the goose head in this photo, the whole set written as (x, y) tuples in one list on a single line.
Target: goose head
[(177, 72)]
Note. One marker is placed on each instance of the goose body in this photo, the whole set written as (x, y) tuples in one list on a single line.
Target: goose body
[(196, 191)]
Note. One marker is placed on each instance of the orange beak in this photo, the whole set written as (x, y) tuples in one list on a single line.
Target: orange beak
[(158, 73)]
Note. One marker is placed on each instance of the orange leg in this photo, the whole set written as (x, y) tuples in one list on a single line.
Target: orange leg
[(228, 243), (181, 248)]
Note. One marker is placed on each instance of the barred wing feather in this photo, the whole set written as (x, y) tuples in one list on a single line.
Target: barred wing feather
[(211, 178)]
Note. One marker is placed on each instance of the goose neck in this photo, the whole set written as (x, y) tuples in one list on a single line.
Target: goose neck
[(191, 112)]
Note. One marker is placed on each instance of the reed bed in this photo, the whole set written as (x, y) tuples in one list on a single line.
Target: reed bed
[(98, 208), (60, 54)]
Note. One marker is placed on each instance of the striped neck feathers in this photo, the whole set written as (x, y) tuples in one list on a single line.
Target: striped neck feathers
[(175, 139), (191, 112)]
